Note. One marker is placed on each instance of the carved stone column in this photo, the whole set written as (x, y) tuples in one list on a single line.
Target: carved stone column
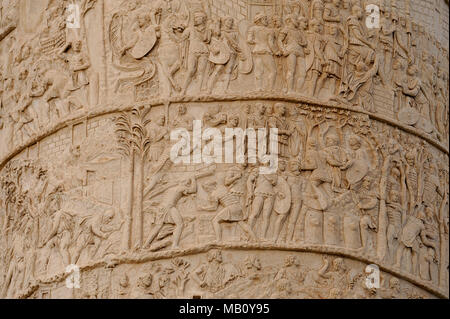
[(224, 148)]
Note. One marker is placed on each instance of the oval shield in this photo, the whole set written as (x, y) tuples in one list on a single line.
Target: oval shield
[(220, 53), (282, 204), (147, 41)]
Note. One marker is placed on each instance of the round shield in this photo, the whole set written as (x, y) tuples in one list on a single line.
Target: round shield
[(147, 41), (219, 52), (282, 205), (408, 115), (356, 172)]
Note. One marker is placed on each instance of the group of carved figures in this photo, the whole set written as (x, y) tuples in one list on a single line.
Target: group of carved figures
[(319, 48), (214, 276), (43, 79), (343, 180), (41, 219), (337, 184)]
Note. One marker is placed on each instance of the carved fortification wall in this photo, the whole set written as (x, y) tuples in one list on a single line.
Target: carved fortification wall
[(92, 204)]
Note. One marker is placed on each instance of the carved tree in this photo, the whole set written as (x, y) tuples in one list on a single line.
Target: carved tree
[(134, 143)]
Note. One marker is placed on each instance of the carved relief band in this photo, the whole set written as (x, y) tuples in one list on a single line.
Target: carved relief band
[(93, 205)]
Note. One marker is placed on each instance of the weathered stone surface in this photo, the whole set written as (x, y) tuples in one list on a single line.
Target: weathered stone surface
[(92, 90)]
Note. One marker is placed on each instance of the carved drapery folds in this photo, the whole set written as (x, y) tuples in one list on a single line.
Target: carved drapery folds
[(86, 179)]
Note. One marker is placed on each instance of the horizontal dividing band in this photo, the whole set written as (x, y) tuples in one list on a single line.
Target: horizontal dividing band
[(135, 258), (289, 98)]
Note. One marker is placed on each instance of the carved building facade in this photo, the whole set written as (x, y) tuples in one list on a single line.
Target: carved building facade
[(91, 90)]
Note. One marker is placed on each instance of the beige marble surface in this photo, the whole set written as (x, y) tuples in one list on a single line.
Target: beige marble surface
[(92, 204)]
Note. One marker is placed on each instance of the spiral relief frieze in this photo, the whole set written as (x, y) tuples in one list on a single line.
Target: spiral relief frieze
[(224, 149)]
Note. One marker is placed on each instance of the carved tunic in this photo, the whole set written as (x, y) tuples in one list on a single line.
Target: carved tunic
[(294, 41), (231, 202), (264, 186), (263, 39), (331, 54), (198, 36)]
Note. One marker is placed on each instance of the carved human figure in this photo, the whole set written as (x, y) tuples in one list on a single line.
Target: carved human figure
[(199, 36), (336, 158), (214, 275), (79, 63), (229, 196), (316, 10), (282, 202), (361, 86), (264, 48), (159, 136), (357, 165), (367, 204), (396, 217), (227, 45), (182, 119), (431, 228), (260, 187), (258, 119), (297, 185), (338, 275), (346, 7), (290, 271), (413, 90), (409, 240), (60, 236), (213, 117), (320, 179), (20, 120), (276, 25), (169, 50), (293, 43), (145, 286), (331, 11), (334, 52), (94, 230), (317, 55), (124, 288), (386, 40), (427, 73), (279, 121), (358, 44), (428, 264), (252, 268), (169, 213), (400, 48), (296, 7)]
